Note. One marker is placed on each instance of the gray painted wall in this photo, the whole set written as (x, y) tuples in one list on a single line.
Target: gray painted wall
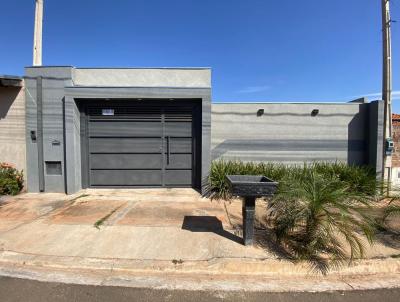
[(376, 141), (54, 80), (288, 133), (143, 77), (62, 86)]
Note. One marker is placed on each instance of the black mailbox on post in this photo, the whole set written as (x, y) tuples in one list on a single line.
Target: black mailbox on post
[(249, 187)]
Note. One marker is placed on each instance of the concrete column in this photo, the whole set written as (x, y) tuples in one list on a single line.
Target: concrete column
[(37, 37)]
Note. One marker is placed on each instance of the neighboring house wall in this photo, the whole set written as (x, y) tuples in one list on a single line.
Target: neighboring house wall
[(12, 126), (396, 152), (290, 134)]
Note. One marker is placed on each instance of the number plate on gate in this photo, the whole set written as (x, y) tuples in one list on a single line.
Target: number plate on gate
[(107, 112)]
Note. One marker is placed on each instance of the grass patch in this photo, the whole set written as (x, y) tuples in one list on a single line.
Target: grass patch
[(176, 262), (101, 221), (78, 197)]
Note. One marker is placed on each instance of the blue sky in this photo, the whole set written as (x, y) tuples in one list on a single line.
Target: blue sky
[(286, 50)]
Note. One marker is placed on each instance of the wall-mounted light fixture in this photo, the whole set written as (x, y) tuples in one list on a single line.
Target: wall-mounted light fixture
[(33, 136), (260, 112), (314, 112)]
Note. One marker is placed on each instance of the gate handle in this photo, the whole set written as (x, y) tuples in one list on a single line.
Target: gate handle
[(168, 150)]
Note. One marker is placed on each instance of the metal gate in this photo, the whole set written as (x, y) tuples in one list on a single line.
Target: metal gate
[(140, 145)]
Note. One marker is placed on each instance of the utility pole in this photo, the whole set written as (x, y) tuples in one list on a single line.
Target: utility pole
[(37, 36), (387, 88)]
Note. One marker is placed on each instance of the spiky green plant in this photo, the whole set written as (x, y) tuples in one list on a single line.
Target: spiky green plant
[(319, 218), (217, 186), (390, 211), (360, 179)]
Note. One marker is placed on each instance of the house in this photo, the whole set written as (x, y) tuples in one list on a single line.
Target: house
[(396, 151), (12, 121), (157, 127)]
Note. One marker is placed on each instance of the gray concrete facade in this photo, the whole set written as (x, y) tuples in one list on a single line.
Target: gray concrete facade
[(54, 79), (283, 132), (290, 133), (60, 89)]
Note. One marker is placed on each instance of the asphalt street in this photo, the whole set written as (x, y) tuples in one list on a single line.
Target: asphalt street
[(14, 289)]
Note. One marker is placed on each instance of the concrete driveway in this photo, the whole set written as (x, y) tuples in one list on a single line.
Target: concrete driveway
[(159, 224)]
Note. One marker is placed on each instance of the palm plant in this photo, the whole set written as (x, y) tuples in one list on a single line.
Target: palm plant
[(319, 218), (390, 211)]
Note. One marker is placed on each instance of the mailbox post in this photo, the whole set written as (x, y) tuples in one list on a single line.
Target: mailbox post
[(250, 187), (248, 214)]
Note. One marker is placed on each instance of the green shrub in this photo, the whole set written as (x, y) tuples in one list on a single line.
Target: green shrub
[(361, 179), (11, 180)]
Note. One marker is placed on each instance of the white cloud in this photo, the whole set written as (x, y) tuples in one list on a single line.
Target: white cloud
[(378, 95), (395, 95), (254, 89)]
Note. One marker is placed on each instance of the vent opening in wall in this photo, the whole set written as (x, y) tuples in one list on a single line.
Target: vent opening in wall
[(53, 168)]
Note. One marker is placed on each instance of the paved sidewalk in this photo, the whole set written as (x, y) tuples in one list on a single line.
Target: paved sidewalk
[(123, 234)]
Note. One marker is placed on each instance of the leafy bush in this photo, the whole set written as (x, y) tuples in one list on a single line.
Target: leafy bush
[(361, 179), (11, 180)]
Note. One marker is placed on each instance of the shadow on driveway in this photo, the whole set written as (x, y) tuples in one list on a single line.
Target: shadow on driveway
[(208, 224)]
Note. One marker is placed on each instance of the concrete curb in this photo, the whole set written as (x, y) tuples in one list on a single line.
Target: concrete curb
[(213, 266), (214, 274), (199, 282)]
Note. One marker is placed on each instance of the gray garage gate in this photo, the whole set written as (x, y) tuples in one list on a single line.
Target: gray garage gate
[(141, 143)]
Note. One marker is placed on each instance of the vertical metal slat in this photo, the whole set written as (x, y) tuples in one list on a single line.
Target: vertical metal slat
[(39, 101)]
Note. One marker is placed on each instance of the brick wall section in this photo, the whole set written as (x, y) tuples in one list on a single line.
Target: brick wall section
[(396, 139)]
